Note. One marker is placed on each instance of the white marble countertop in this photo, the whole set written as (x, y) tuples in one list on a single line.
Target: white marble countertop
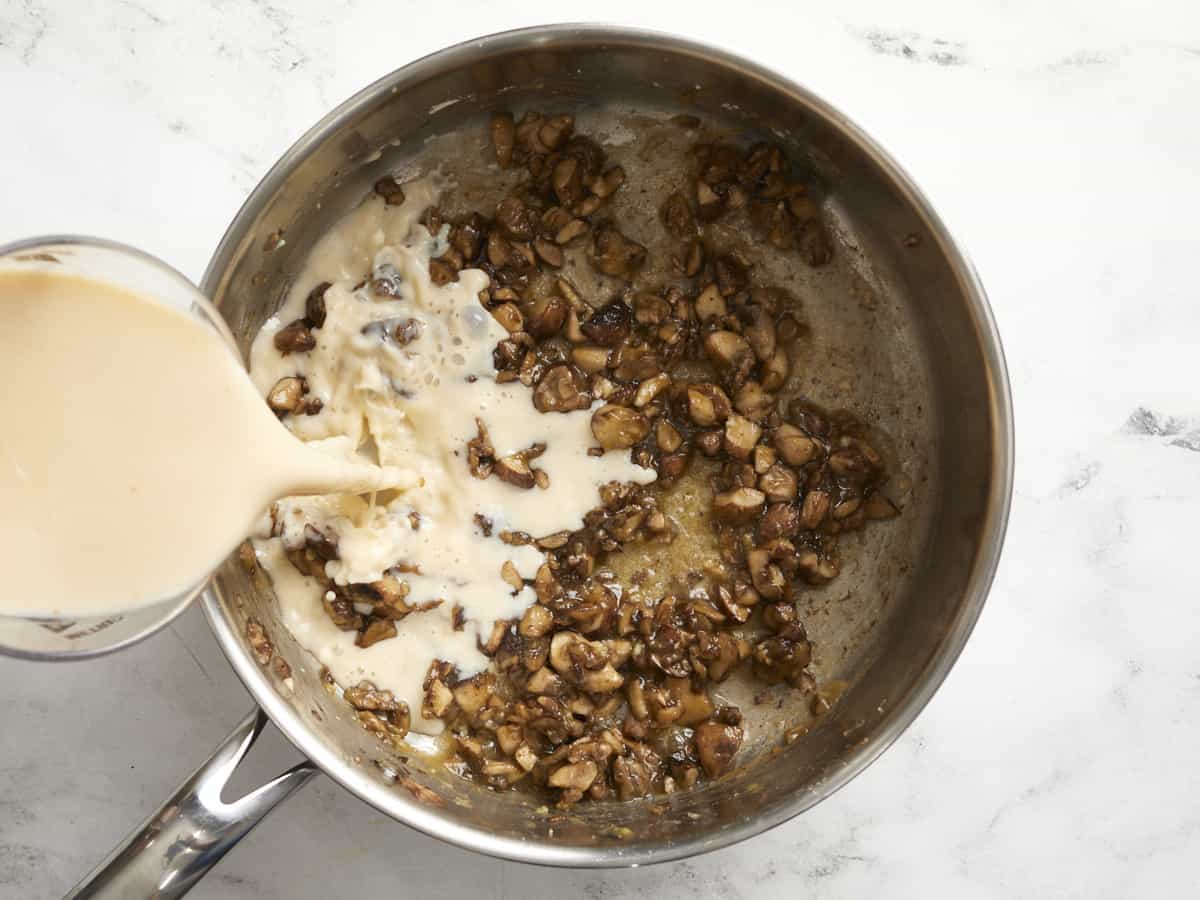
[(1060, 145)]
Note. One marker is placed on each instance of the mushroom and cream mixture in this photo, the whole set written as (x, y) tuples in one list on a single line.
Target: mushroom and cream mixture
[(543, 431), (405, 366)]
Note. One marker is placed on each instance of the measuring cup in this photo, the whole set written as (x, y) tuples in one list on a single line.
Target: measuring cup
[(138, 272)]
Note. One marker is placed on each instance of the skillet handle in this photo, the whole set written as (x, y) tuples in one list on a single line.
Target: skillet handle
[(189, 834)]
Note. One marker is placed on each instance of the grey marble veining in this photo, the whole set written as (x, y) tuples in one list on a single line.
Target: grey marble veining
[(1060, 144)]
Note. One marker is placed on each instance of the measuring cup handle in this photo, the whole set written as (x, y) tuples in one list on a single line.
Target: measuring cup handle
[(186, 837)]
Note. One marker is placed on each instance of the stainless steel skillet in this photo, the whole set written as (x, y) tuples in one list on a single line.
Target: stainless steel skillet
[(900, 331)]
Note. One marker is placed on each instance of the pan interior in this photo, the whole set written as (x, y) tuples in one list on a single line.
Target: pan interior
[(890, 338)]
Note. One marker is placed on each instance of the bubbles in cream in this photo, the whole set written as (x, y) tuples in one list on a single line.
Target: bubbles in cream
[(416, 400)]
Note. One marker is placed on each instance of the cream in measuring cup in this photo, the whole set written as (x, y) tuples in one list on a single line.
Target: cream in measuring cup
[(134, 450)]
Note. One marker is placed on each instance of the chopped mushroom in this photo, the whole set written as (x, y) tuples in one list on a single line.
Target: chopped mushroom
[(779, 483), (609, 325), (728, 351), (514, 219), (508, 315), (815, 509), (578, 776), (296, 337), (716, 745), (677, 215), (377, 630), (741, 436), (738, 506), (390, 190), (618, 427), (287, 394), (562, 389), (515, 469), (794, 446), (614, 254), (708, 405), (314, 305)]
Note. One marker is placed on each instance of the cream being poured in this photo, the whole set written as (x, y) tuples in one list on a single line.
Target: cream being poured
[(405, 366), (135, 453)]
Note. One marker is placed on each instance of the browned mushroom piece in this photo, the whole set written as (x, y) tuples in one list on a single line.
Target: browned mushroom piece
[(759, 330), (650, 309), (438, 699), (590, 358), (547, 316), (716, 746), (341, 612), (515, 470), (731, 275), (677, 215), (610, 324), (260, 644), (614, 254), (442, 272), (667, 436), (710, 304), (577, 776), (709, 443), (287, 394), (778, 223), (472, 693), (816, 568), (571, 230), (515, 219), (314, 305), (739, 505), (707, 405), (815, 509), (377, 630), (390, 190), (709, 203), (296, 337), (768, 579), (566, 179), (481, 455), (777, 659), (537, 621), (729, 351), (320, 544), (650, 389), (365, 695), (780, 520), (741, 436), (556, 130), (509, 315), (618, 427), (607, 184), (779, 483), (632, 778), (783, 620), (503, 138), (549, 253), (752, 401), (794, 447), (775, 370), (406, 331), (689, 259), (562, 389)]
